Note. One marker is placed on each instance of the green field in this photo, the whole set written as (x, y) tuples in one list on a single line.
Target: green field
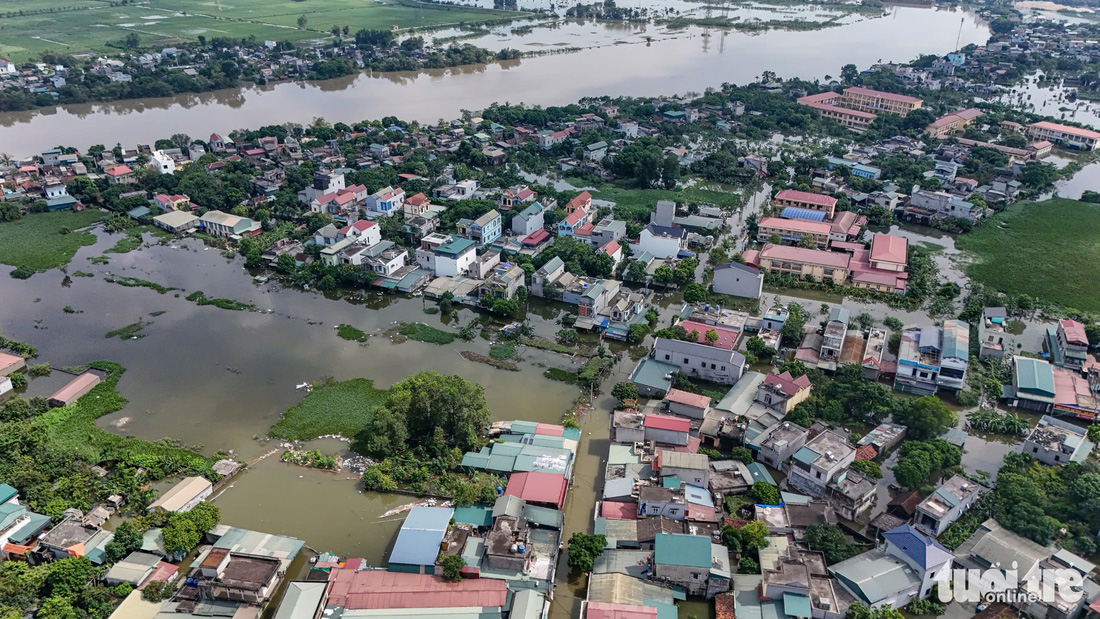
[(332, 408), (39, 242), (30, 27), (636, 204), (1049, 250)]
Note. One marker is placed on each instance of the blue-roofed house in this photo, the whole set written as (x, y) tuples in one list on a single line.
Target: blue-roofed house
[(691, 562), (955, 355), (8, 494), (944, 506), (928, 558), (698, 496), (18, 527), (418, 541)]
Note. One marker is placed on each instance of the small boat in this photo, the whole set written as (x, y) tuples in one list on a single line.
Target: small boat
[(260, 279), (302, 386)]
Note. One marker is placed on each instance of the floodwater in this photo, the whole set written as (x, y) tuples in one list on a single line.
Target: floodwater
[(1087, 178), (221, 378), (688, 60), (1051, 99)]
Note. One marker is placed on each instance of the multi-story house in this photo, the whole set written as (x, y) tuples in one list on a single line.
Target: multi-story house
[(692, 562), (1068, 345), (819, 462), (483, 230), (955, 355), (778, 443), (738, 280), (993, 335), (386, 201), (919, 360), (708, 362), (944, 506), (529, 220), (832, 342), (1056, 442), (782, 392), (928, 558), (446, 255)]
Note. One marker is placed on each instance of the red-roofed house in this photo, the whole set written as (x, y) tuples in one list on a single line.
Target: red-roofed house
[(807, 200), (727, 337), (612, 248), (572, 221), (583, 201), (177, 202), (377, 589), (687, 404), (618, 510), (364, 231), (867, 100), (1072, 343), (120, 175), (546, 489), (866, 452), (417, 205), (667, 430), (549, 429), (783, 392)]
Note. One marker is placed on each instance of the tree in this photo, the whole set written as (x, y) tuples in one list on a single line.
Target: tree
[(127, 539), (68, 577), (748, 565), (859, 611), (583, 550), (302, 21), (795, 368), (385, 435), (919, 459), (829, 540), (181, 140), (286, 263), (925, 417), (758, 347), (624, 391), (849, 73), (58, 607), (452, 567), (869, 468), (754, 535), (429, 400), (711, 336), (695, 293), (744, 454), (765, 494)]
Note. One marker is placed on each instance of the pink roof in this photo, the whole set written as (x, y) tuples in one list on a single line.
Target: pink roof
[(801, 254), (618, 510), (1075, 332), (254, 151), (7, 360), (538, 487), (882, 278), (607, 610), (119, 170), (75, 386), (882, 95), (889, 248), (797, 225), (575, 217), (362, 226), (959, 180), (535, 237), (1081, 133), (526, 193), (1068, 385), (727, 337), (699, 513), (163, 572), (686, 398), (787, 384), (820, 98), (353, 189), (610, 248), (751, 257), (806, 196), (377, 589), (842, 110), (969, 113), (549, 429), (666, 422), (1041, 144)]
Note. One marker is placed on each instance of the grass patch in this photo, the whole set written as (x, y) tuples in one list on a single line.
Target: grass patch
[(83, 274), (497, 363), (637, 204), (71, 430), (200, 298), (333, 407), (564, 376), (431, 311), (426, 333), (1043, 249), (157, 313), (349, 332), (131, 331), (133, 282), (41, 241), (500, 352), (545, 344), (126, 244)]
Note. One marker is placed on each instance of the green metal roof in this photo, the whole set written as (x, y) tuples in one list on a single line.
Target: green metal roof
[(544, 516), (477, 516), (7, 493), (670, 482), (796, 605), (1034, 376), (456, 246), (682, 550), (806, 456), (652, 374), (956, 339)]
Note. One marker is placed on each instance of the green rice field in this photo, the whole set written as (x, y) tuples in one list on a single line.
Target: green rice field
[(30, 27), (1049, 250)]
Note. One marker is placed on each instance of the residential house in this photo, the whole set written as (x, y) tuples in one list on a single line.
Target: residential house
[(929, 560), (946, 505), (363, 232), (1055, 442), (326, 235), (162, 162), (738, 280), (832, 341), (692, 562), (445, 255), (690, 468), (919, 360), (779, 443), (667, 430), (386, 201), (514, 197), (323, 183), (462, 190), (782, 392), (820, 462), (993, 335), (686, 404), (572, 222), (504, 281), (662, 241), (955, 355), (1068, 345), (994, 548), (708, 362), (931, 205), (547, 275), (120, 175), (529, 220), (176, 222), (850, 494), (416, 206), (483, 230), (878, 579)]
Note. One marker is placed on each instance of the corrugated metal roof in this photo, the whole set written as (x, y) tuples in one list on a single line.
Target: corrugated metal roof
[(956, 339), (420, 536), (376, 589), (1034, 375), (681, 550), (477, 516), (301, 600)]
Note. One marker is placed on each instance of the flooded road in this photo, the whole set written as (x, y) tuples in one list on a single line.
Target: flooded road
[(680, 61)]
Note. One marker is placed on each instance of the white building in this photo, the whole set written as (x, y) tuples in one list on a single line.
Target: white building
[(818, 463), (709, 362), (661, 241), (944, 506), (162, 162), (738, 280)]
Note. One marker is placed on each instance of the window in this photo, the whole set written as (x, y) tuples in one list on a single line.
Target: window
[(673, 512), (703, 364), (723, 368), (1057, 457), (818, 474), (667, 358), (685, 361), (713, 366), (1034, 450)]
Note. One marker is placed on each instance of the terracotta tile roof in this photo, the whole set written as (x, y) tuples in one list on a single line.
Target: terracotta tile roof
[(801, 254), (1075, 131), (686, 398), (666, 422), (865, 452)]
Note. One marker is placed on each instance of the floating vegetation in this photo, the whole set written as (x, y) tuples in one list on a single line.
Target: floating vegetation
[(500, 365)]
